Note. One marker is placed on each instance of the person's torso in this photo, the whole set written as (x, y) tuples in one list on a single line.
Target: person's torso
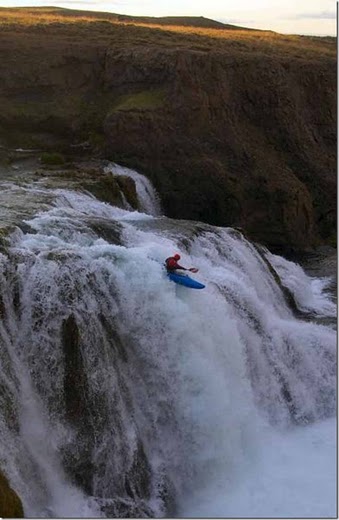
[(171, 263)]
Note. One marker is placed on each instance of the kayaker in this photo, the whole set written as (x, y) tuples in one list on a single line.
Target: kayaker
[(171, 264)]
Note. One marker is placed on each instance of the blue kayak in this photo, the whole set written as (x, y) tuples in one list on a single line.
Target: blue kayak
[(185, 280)]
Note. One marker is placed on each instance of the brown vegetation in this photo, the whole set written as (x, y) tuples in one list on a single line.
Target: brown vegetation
[(210, 34)]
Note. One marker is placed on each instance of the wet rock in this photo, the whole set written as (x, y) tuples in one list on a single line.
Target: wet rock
[(9, 408), (115, 190), (5, 231), (114, 338), (78, 461), (10, 503), (74, 370), (128, 188), (138, 478), (109, 231), (104, 188), (112, 189), (288, 295)]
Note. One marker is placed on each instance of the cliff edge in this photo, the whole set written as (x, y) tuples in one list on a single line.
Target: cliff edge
[(234, 127)]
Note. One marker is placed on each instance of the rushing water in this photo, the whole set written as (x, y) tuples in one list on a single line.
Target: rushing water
[(148, 198), (124, 394)]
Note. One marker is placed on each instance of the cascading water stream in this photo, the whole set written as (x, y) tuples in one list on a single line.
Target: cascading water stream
[(148, 198), (310, 293), (126, 395)]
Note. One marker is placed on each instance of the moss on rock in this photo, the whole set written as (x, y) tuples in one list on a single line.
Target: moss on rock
[(104, 188), (52, 159), (112, 189), (145, 100), (5, 231), (128, 188)]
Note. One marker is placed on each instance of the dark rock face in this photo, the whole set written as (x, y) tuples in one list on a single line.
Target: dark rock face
[(79, 464), (240, 147), (232, 130), (10, 503)]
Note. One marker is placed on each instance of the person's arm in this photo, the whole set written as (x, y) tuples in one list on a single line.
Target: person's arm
[(181, 267), (192, 269)]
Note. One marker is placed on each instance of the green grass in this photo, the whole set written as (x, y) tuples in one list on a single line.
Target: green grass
[(332, 240), (52, 159), (145, 100)]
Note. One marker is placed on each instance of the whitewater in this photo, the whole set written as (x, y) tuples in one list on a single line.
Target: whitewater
[(126, 395)]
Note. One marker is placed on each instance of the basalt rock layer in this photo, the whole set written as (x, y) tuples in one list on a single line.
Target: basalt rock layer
[(234, 127)]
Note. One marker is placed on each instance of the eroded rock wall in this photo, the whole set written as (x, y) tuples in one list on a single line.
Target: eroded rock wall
[(231, 132)]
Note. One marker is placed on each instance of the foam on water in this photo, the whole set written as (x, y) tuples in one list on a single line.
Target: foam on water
[(296, 478), (205, 386), (310, 293)]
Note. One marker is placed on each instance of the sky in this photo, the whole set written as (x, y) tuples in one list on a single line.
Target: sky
[(317, 17)]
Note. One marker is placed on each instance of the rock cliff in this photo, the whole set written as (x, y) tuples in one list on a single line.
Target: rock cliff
[(234, 127)]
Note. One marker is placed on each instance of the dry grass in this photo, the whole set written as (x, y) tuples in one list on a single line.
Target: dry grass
[(170, 31), (252, 37)]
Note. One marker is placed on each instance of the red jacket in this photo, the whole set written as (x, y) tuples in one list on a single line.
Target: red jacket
[(172, 264)]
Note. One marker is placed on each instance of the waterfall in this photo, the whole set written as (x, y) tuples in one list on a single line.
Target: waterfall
[(310, 293), (124, 394), (148, 197)]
